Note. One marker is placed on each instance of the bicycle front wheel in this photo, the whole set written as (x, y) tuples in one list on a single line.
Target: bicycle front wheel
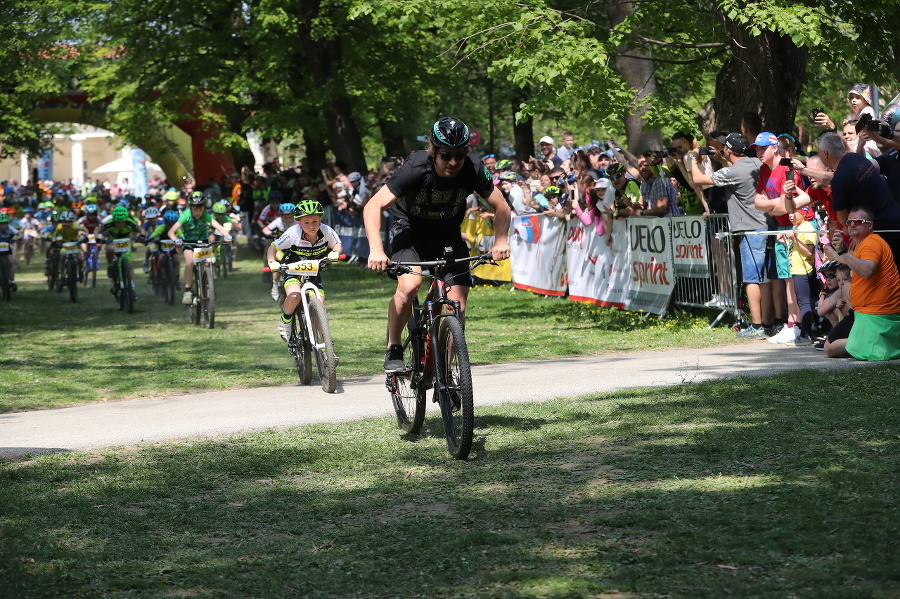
[(455, 400), (167, 279), (4, 279), (407, 388), (208, 289), (72, 279), (195, 293), (326, 362), (299, 346), (127, 291)]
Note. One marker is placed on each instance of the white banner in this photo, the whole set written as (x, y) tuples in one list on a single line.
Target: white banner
[(691, 252), (536, 252), (651, 262), (597, 272)]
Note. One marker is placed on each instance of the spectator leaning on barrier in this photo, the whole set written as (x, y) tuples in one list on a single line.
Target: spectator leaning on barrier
[(874, 293), (657, 191), (739, 183)]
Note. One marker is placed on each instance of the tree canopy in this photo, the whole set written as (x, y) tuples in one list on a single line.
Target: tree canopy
[(359, 78)]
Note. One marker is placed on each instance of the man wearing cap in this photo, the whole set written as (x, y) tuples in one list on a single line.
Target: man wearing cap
[(739, 183), (874, 292), (548, 149)]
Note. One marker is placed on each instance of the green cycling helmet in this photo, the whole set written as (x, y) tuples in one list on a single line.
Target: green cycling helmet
[(219, 208), (308, 208), (197, 199), (4, 217), (171, 196), (120, 213), (551, 191), (503, 165)]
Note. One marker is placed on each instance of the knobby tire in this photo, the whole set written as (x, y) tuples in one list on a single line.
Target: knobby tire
[(167, 279), (4, 279), (456, 403), (126, 290), (208, 289), (407, 388), (195, 293), (326, 363), (72, 279), (301, 348)]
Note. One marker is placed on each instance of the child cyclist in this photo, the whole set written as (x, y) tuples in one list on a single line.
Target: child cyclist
[(194, 226), (277, 228), (308, 239)]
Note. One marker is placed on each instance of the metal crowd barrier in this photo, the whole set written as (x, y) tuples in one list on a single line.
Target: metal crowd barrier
[(722, 289)]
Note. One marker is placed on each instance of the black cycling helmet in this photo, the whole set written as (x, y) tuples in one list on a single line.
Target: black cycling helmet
[(450, 132), (197, 199), (614, 169)]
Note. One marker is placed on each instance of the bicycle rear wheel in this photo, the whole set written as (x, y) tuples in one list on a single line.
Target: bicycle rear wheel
[(72, 279), (208, 289), (300, 348), (457, 406), (29, 250), (407, 389), (195, 294), (54, 271), (326, 362)]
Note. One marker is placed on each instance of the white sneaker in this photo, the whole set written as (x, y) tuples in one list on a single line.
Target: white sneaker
[(284, 329), (188, 298), (784, 336)]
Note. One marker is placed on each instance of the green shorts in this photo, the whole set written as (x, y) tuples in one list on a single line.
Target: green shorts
[(874, 337)]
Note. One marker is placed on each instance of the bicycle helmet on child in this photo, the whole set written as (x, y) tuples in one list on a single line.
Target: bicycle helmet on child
[(151, 212), (67, 216), (286, 208), (170, 216), (307, 208), (171, 195), (219, 208), (450, 132), (4, 217), (119, 213), (551, 191), (197, 199), (507, 176), (91, 209), (503, 165)]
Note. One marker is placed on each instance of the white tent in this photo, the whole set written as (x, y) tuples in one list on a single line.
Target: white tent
[(123, 164)]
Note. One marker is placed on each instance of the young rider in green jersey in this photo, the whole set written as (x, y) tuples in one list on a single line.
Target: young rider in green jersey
[(194, 226)]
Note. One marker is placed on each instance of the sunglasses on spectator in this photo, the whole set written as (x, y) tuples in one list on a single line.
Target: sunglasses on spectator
[(829, 275), (854, 222), (447, 156), (619, 176), (490, 156)]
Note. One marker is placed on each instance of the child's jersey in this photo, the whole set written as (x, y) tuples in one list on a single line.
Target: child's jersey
[(67, 234), (195, 229), (119, 229), (296, 248)]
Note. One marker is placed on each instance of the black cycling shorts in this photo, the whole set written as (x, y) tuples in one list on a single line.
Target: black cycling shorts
[(408, 246)]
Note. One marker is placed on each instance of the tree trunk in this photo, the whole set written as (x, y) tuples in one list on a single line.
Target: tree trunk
[(523, 133), (639, 74), (764, 75), (394, 144), (324, 58)]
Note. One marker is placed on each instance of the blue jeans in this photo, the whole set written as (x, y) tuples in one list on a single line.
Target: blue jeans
[(757, 262)]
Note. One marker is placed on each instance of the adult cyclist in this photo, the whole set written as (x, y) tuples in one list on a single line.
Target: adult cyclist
[(194, 225), (427, 196)]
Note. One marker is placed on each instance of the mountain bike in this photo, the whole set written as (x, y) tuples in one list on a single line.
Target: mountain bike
[(122, 279), (51, 265), (5, 284), (91, 260), (203, 289), (310, 334), (28, 243), (224, 253), (70, 276), (435, 356)]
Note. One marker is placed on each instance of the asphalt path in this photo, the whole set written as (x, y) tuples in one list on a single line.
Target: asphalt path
[(215, 414)]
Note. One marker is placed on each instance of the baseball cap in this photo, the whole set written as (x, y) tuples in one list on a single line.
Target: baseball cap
[(734, 142), (354, 177), (547, 140), (806, 211), (765, 139), (602, 183)]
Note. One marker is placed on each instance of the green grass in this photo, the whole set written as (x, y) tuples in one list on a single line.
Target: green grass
[(757, 488), (57, 353)]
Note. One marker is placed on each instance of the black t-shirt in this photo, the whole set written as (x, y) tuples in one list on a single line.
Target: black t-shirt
[(856, 182), (431, 203), (889, 165)]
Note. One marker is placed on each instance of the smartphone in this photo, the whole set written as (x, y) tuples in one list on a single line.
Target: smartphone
[(533, 184), (704, 151), (786, 162)]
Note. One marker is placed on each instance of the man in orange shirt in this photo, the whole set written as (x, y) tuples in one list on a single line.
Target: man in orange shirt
[(874, 293)]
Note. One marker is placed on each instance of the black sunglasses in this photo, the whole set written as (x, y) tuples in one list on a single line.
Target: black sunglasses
[(446, 156), (829, 275)]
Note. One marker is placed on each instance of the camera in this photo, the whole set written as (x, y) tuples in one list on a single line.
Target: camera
[(704, 151), (786, 162), (662, 153), (816, 112), (866, 122)]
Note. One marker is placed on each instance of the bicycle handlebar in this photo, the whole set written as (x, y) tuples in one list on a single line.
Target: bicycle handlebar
[(396, 268), (286, 268)]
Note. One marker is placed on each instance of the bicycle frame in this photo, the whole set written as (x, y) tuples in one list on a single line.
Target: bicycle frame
[(305, 290), (434, 309)]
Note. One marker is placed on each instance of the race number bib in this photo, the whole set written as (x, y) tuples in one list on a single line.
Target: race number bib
[(121, 246), (202, 254), (304, 267)]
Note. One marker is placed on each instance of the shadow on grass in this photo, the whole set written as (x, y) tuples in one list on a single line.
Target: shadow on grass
[(750, 488)]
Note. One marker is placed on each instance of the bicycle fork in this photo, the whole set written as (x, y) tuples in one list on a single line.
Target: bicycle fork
[(435, 311)]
